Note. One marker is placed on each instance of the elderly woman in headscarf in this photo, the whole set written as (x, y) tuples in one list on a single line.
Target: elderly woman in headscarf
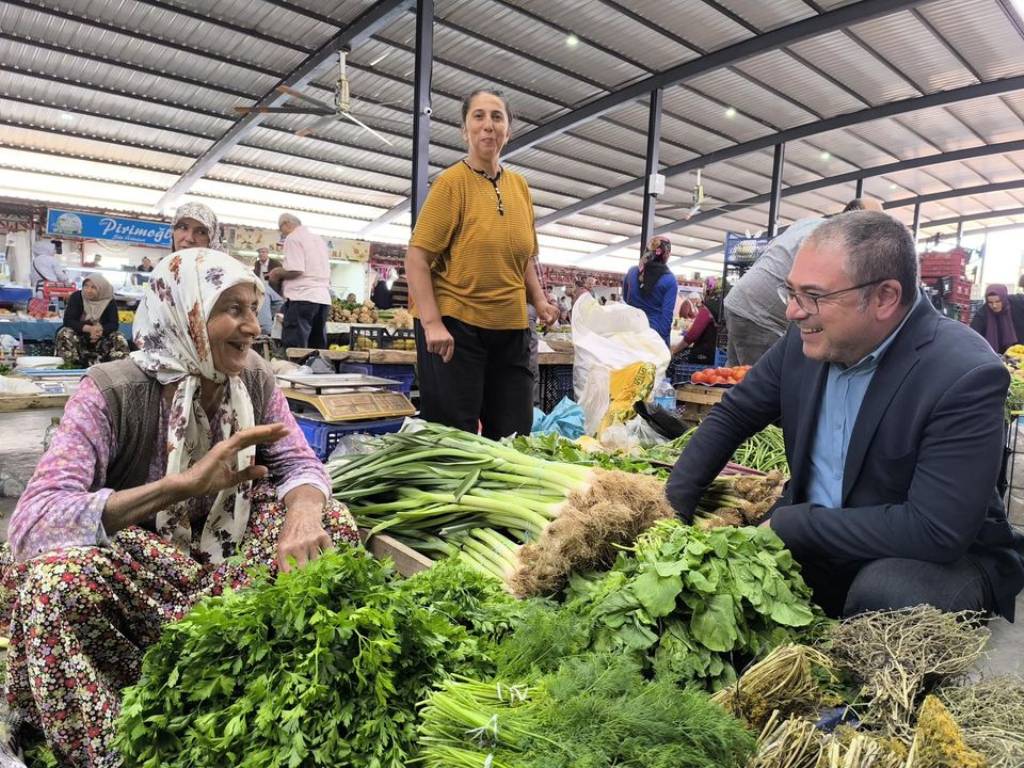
[(90, 332), (651, 287), (195, 226), (1001, 320), (146, 492)]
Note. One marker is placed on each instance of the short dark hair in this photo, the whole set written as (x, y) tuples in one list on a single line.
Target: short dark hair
[(876, 246), (467, 100)]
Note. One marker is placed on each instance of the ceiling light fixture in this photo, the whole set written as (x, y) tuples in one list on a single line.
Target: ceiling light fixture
[(730, 112), (571, 40), (825, 156), (67, 117)]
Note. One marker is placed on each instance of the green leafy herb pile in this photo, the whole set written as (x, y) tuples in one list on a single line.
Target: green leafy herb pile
[(321, 667), (596, 710), (696, 602)]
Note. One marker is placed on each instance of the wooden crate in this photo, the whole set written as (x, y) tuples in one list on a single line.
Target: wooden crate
[(407, 561), (697, 400)]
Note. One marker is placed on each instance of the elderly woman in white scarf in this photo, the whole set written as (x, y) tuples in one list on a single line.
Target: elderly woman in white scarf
[(145, 493), (90, 332)]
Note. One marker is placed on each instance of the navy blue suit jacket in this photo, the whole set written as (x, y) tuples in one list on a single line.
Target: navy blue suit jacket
[(922, 464)]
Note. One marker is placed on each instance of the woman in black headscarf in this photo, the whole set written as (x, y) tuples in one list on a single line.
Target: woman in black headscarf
[(651, 287)]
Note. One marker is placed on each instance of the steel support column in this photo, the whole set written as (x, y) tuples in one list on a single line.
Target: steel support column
[(651, 167), (776, 194), (959, 233), (917, 221), (859, 191), (421, 104)]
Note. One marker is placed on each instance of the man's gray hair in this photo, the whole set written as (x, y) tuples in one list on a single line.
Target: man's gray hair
[(876, 247), (290, 218)]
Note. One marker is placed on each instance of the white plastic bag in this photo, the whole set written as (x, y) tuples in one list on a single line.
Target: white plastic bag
[(605, 339), (10, 385)]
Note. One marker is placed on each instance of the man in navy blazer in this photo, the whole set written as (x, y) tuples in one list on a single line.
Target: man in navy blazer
[(893, 424)]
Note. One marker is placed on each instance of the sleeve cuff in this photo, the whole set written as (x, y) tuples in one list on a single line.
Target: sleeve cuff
[(294, 481)]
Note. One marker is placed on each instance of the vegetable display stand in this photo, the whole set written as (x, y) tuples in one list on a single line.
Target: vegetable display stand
[(403, 374), (696, 401)]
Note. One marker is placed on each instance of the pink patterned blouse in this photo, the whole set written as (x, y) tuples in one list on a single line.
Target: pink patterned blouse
[(64, 501)]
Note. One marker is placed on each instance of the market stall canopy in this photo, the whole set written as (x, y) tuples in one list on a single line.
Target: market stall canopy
[(133, 101)]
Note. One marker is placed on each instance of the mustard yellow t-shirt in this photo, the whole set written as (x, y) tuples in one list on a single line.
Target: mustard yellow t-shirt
[(479, 275)]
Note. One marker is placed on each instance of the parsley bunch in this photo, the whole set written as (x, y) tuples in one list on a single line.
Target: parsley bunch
[(323, 666)]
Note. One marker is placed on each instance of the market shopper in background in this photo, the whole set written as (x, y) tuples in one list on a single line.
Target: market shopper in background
[(1001, 320), (145, 266), (893, 422), (471, 271), (264, 264), (698, 344), (143, 497), (195, 226), (653, 288), (306, 276), (754, 318), (46, 267), (380, 295), (90, 332), (400, 291)]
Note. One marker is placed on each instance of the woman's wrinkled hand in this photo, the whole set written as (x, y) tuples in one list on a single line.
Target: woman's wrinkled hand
[(217, 470), (302, 539), (439, 340)]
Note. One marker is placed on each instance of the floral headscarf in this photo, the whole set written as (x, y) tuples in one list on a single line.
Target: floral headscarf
[(205, 216), (170, 332)]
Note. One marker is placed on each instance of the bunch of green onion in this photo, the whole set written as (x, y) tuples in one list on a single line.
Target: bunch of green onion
[(442, 491)]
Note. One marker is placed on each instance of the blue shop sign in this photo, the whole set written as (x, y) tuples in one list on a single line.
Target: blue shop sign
[(99, 227)]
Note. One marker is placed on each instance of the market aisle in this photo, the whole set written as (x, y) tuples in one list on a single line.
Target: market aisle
[(21, 445)]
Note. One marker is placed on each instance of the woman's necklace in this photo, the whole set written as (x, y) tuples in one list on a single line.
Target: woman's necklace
[(494, 182)]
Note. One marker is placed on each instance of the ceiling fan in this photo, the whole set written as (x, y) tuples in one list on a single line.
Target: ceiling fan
[(696, 201), (339, 111)]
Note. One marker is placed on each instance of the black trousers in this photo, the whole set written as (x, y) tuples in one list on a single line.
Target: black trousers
[(305, 325), (896, 582), (487, 381)]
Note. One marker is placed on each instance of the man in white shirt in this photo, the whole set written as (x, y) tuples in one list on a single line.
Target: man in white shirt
[(45, 265), (306, 273)]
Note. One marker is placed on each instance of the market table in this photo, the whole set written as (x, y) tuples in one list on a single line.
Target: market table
[(44, 330), (697, 400), (12, 403)]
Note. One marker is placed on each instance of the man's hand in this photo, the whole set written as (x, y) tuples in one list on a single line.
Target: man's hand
[(439, 341), (547, 313), (217, 469), (302, 537)]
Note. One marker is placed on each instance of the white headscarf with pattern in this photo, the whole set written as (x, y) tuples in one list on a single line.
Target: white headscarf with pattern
[(170, 332)]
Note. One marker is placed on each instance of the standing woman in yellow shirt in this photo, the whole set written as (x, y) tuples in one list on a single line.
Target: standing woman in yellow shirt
[(470, 270)]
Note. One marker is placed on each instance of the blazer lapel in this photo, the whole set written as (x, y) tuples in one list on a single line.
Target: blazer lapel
[(897, 362), (810, 394)]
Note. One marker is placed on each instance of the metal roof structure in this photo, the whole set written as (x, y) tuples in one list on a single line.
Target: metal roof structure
[(131, 102)]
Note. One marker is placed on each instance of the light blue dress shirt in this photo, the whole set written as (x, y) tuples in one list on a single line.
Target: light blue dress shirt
[(844, 393)]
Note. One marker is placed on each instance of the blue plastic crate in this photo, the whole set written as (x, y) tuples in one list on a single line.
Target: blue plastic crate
[(323, 438), (680, 373), (555, 383), (721, 358), (403, 375)]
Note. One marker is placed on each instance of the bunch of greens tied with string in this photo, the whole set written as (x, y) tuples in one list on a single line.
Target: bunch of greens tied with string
[(446, 492)]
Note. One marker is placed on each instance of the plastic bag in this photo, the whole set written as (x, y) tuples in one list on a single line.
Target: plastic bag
[(631, 436), (606, 339), (566, 419)]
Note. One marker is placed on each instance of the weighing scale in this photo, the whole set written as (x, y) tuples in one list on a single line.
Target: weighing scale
[(346, 396)]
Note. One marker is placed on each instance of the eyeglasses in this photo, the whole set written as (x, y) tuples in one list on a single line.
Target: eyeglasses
[(809, 302)]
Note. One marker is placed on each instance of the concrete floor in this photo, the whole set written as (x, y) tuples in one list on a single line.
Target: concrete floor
[(21, 444)]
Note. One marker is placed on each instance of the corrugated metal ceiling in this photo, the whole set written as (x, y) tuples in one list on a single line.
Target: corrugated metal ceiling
[(155, 83)]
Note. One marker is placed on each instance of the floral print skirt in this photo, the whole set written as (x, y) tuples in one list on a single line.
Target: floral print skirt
[(79, 348), (81, 619)]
